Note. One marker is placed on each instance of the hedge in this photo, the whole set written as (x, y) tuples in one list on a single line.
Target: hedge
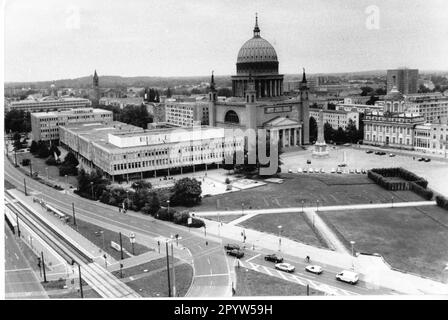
[(418, 189), (442, 202), (178, 217)]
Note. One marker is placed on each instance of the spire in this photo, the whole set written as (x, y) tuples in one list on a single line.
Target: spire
[(304, 76), (212, 82), (256, 29)]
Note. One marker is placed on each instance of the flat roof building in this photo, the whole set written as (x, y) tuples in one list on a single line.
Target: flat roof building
[(45, 125), (336, 118), (49, 103)]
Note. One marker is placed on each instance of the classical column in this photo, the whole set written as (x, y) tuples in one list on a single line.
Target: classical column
[(283, 137)]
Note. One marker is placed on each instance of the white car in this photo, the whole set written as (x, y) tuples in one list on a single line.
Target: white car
[(333, 170), (310, 170), (314, 269), (322, 170), (299, 170), (289, 170), (285, 267), (348, 276)]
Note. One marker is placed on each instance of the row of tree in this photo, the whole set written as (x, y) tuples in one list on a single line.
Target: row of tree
[(350, 134), (134, 115), (17, 121)]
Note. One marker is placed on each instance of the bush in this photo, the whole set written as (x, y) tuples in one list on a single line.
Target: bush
[(425, 193), (67, 170), (164, 214), (26, 162), (181, 217), (196, 223), (442, 202), (51, 161)]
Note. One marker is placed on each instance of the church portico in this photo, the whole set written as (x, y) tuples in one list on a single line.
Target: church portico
[(287, 131)]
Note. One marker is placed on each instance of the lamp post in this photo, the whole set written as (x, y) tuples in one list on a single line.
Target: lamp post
[(242, 208), (168, 202), (279, 237), (132, 239), (302, 204), (353, 253), (102, 234), (168, 269), (91, 187), (392, 202), (48, 177)]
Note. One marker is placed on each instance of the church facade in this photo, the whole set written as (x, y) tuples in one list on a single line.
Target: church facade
[(257, 101)]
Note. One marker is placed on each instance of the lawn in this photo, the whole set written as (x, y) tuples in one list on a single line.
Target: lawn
[(252, 283), (39, 165), (157, 264), (329, 189), (92, 233), (155, 284), (410, 239), (224, 218), (294, 226)]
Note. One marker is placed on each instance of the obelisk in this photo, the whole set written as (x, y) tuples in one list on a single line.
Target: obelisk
[(320, 147)]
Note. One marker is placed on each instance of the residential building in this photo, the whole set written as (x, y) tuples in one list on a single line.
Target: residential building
[(45, 125), (432, 106), (336, 118), (187, 114), (432, 138)]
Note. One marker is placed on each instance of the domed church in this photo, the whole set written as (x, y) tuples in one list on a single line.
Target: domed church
[(258, 102)]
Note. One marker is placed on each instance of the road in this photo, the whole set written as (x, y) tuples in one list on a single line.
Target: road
[(21, 281), (211, 272)]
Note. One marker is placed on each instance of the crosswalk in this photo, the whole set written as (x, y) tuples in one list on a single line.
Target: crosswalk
[(327, 289)]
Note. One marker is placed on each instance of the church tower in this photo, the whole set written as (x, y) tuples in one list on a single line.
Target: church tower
[(212, 97), (96, 88), (251, 107), (304, 109)]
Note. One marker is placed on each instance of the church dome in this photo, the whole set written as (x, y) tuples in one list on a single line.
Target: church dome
[(257, 49), (257, 56)]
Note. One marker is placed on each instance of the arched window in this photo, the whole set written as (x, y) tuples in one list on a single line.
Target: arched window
[(231, 117)]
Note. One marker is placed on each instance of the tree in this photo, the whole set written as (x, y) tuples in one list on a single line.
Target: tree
[(372, 100), (313, 129), (366, 91), (70, 160), (17, 121), (33, 147), (54, 151), (168, 93), (141, 184), (43, 151), (340, 136), (331, 106), (229, 166), (186, 192), (352, 132), (329, 132), (380, 92)]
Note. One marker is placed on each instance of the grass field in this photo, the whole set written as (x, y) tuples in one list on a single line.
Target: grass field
[(252, 283), (92, 233), (155, 283), (294, 227), (224, 218), (329, 189), (410, 239)]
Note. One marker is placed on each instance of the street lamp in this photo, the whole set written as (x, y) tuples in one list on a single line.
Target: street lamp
[(132, 239), (46, 169), (317, 203), (91, 187), (279, 237), (102, 234), (353, 244), (302, 204), (168, 202), (392, 202), (242, 208)]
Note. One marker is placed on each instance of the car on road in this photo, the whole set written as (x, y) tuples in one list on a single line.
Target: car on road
[(342, 165), (333, 170), (314, 269), (273, 258), (421, 159), (391, 155), (339, 171), (299, 170), (235, 253), (231, 246), (285, 267), (369, 151), (427, 160), (348, 276)]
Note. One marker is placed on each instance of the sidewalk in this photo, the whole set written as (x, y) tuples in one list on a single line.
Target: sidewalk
[(373, 268)]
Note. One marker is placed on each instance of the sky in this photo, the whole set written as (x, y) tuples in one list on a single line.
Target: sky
[(61, 39)]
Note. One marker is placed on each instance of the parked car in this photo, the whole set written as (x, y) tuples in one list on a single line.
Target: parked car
[(314, 269), (289, 170), (427, 160), (310, 170), (308, 161), (358, 171), (285, 267), (421, 159), (305, 170), (322, 170), (339, 171), (364, 171), (341, 165), (236, 253), (231, 246), (348, 276), (369, 151), (347, 144), (391, 155), (333, 170), (273, 258), (299, 170), (351, 171)]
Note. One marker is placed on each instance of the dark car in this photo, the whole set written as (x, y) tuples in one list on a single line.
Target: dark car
[(421, 159), (369, 151), (231, 246), (427, 160), (342, 165), (273, 258), (308, 161), (236, 253)]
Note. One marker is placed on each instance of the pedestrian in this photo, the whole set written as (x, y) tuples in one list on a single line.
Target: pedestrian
[(308, 259)]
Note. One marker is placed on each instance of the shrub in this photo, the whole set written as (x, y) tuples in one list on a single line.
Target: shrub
[(26, 162), (67, 170), (181, 217), (442, 202), (51, 161), (196, 223), (425, 193), (164, 214)]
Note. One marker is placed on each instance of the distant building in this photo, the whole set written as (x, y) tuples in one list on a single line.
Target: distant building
[(432, 138), (336, 118), (187, 114), (49, 104), (45, 125), (432, 106), (405, 79), (121, 102), (357, 99), (359, 108)]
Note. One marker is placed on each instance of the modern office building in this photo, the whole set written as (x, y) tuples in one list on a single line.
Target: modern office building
[(129, 152), (336, 118), (432, 106), (49, 103), (45, 125), (405, 79), (187, 114)]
